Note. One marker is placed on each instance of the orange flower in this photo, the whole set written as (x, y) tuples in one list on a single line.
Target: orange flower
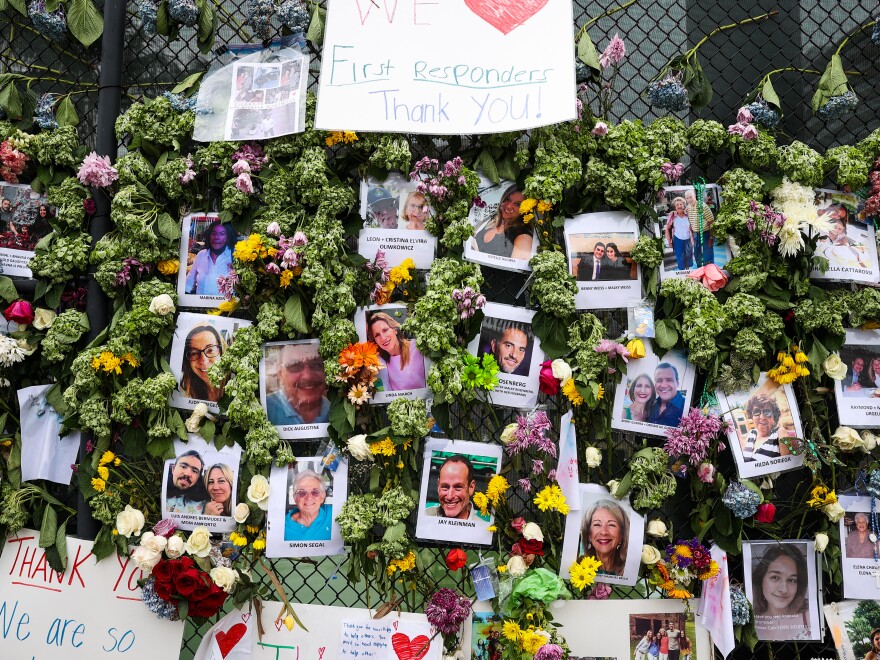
[(354, 357)]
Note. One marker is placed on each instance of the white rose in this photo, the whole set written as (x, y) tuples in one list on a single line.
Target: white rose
[(508, 434), (847, 439), (145, 558), (43, 318), (27, 349), (834, 511), (650, 555), (532, 532), (821, 541), (657, 528), (194, 421), (225, 578), (359, 448), (612, 487), (561, 370), (594, 457), (162, 305), (175, 547), (516, 566), (130, 521), (241, 513), (834, 367), (258, 491), (870, 441), (199, 542), (153, 542)]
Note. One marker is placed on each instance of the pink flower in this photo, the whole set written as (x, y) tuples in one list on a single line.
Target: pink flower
[(612, 349), (90, 206), (749, 132), (600, 129), (300, 239), (744, 116), (706, 473), (274, 229), (21, 311), (97, 171), (187, 176), (273, 268), (244, 183), (710, 276), (736, 129), (164, 528), (601, 591), (518, 523), (241, 167), (672, 171), (766, 513), (614, 52), (547, 382)]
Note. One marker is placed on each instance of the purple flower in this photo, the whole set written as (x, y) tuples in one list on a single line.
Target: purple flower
[(241, 167), (97, 171), (253, 155), (549, 652), (749, 133), (90, 446), (672, 171), (273, 268), (531, 433), (274, 229), (447, 610), (187, 176), (226, 285), (244, 183), (614, 52), (744, 116), (164, 528), (90, 206), (525, 485), (131, 267), (692, 437), (600, 129)]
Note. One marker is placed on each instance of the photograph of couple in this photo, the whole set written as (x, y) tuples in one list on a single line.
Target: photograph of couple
[(655, 398), (679, 217), (394, 203), (24, 217), (197, 489), (602, 257), (863, 374)]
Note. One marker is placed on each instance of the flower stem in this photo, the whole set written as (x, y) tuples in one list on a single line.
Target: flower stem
[(603, 15), (722, 28), (852, 34)]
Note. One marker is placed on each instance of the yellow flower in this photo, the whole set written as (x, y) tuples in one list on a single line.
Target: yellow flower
[(383, 448), (821, 496), (482, 503), (493, 529), (496, 489), (250, 249), (260, 544), (511, 630), (600, 394), (683, 551), (636, 348), (710, 572), (528, 217), (286, 278), (550, 498), (252, 529), (527, 205), (226, 307), (168, 266), (583, 572), (289, 622), (130, 359), (544, 206), (104, 473), (345, 137), (107, 362), (99, 485), (117, 461), (532, 641), (107, 457), (679, 592), (570, 390), (502, 568), (406, 564), (400, 274)]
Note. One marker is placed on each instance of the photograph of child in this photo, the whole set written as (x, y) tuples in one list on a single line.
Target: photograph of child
[(858, 392), (501, 237), (24, 219), (849, 245), (685, 248), (293, 388)]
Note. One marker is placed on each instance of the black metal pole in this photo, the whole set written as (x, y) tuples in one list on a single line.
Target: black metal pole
[(109, 100)]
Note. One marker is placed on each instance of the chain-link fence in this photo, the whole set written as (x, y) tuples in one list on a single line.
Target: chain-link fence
[(796, 42)]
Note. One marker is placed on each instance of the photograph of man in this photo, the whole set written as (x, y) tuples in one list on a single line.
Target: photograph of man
[(590, 266), (382, 208), (455, 486), (704, 251), (213, 261), (302, 396), (6, 213), (856, 379), (310, 518), (186, 491), (669, 405)]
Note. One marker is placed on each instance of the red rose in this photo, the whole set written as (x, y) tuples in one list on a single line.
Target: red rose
[(163, 590), (531, 547), (455, 559), (186, 563), (209, 605), (203, 588), (21, 311), (766, 513), (163, 571), (187, 582), (548, 383)]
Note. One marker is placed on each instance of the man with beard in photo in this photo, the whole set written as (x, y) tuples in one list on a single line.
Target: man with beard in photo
[(510, 350), (302, 398), (186, 492), (455, 486)]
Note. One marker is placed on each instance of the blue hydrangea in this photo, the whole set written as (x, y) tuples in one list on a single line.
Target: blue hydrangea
[(739, 606), (44, 115), (161, 608), (875, 33), (293, 14), (874, 484), (668, 93), (839, 106), (50, 24), (147, 12), (183, 11), (763, 114), (259, 17), (742, 501), (181, 103), (581, 71)]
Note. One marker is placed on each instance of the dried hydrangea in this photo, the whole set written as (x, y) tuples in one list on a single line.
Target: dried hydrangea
[(668, 93), (763, 114), (51, 24), (838, 106), (739, 606), (741, 500), (183, 11)]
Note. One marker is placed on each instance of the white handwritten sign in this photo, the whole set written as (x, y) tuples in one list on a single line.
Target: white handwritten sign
[(92, 610), (434, 66)]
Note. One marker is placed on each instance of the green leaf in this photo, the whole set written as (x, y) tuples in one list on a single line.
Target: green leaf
[(163, 20), (665, 333), (10, 100), (66, 113), (587, 53), (832, 83), (206, 26), (698, 86), (61, 544), (168, 228), (7, 289), (294, 314), (208, 430), (49, 527), (85, 21), (440, 412), (553, 333), (188, 82), (52, 5), (770, 96), (486, 164), (315, 34), (19, 6)]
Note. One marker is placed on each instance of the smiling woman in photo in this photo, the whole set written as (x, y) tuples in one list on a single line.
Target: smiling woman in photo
[(404, 364), (218, 482), (605, 536), (763, 440), (311, 518), (203, 347), (779, 584)]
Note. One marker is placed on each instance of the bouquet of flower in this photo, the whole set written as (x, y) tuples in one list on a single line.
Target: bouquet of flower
[(360, 369), (685, 562)]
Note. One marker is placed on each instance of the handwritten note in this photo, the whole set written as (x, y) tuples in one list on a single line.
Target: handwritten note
[(386, 640), (420, 66)]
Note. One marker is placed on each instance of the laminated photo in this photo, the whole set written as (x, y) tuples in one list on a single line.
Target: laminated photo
[(206, 248), (860, 548), (24, 220), (684, 248), (783, 588), (850, 245), (199, 485), (199, 341), (858, 393), (654, 393), (395, 214), (764, 426), (599, 248), (453, 471), (304, 500), (402, 367), (506, 334), (606, 529), (855, 628), (502, 239), (293, 389)]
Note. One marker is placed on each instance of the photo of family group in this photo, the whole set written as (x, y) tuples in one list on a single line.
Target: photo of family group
[(681, 215), (782, 585), (606, 529), (24, 219), (485, 636), (293, 388), (453, 471), (849, 245), (663, 634), (860, 546), (858, 392), (304, 500), (855, 627), (199, 485), (206, 248), (502, 238), (403, 368), (654, 394), (764, 428), (199, 341)]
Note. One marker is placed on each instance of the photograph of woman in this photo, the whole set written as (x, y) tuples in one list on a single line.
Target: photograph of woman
[(203, 346), (859, 544), (415, 211), (642, 397), (874, 653), (763, 440), (643, 646), (310, 518), (679, 234), (404, 364), (505, 234), (213, 261), (605, 536), (218, 482), (780, 583)]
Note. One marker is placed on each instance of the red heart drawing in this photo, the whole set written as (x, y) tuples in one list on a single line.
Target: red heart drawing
[(227, 640), (410, 649), (505, 15), (279, 623), (246, 617)]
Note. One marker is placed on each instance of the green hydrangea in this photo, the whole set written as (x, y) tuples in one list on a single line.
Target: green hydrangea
[(133, 168), (553, 287), (392, 153), (156, 122), (584, 335), (58, 256), (555, 170), (707, 136), (60, 147), (652, 482), (67, 198), (63, 334), (758, 154), (852, 165), (667, 138), (168, 177), (802, 164), (648, 251), (357, 517), (408, 417), (815, 315)]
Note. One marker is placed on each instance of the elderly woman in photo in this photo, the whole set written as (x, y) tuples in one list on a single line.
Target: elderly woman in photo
[(218, 482), (404, 364), (858, 542), (605, 536), (202, 348), (779, 585), (642, 394), (212, 262), (506, 233), (763, 440), (311, 518)]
